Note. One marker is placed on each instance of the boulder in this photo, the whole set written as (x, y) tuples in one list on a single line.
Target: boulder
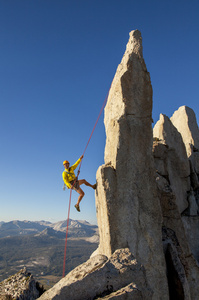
[(100, 276), (21, 286)]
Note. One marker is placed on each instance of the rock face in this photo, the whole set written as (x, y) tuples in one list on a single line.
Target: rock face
[(128, 208), (20, 286), (175, 163), (174, 148)]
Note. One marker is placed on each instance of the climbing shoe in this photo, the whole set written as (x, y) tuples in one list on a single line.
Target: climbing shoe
[(77, 207), (95, 186)]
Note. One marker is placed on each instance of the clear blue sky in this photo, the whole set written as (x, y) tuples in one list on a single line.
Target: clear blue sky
[(58, 59)]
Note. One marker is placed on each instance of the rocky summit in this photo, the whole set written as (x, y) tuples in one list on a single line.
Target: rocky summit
[(128, 208), (20, 286), (147, 199)]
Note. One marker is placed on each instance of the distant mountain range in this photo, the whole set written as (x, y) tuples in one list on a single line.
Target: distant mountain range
[(58, 229), (39, 246)]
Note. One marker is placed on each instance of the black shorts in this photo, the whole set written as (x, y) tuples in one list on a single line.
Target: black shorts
[(74, 186)]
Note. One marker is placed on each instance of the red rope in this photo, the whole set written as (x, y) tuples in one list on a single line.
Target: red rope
[(66, 235), (102, 108), (64, 264)]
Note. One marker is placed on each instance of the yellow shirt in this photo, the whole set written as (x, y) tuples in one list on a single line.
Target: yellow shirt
[(68, 175)]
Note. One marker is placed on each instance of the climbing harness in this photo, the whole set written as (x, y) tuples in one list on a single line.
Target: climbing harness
[(78, 172)]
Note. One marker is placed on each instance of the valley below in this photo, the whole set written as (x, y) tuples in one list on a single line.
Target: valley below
[(42, 252)]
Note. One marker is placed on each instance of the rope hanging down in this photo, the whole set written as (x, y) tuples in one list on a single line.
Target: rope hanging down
[(78, 172)]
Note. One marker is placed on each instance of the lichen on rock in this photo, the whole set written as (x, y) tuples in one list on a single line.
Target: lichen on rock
[(20, 286)]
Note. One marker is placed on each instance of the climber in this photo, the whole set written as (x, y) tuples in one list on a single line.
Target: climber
[(72, 181)]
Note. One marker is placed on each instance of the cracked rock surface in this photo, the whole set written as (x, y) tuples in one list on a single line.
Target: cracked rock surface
[(20, 286)]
